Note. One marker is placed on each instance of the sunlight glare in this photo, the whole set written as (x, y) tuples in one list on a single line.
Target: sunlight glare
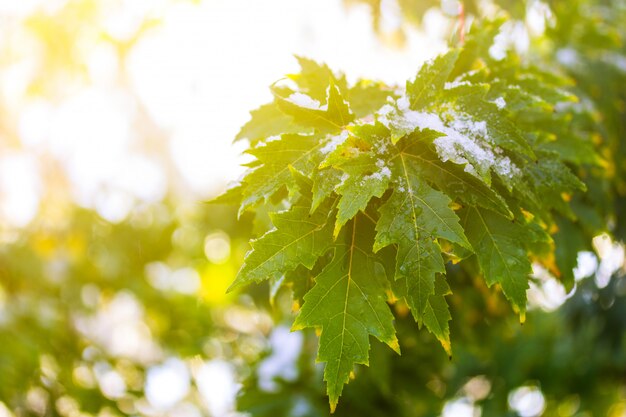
[(216, 381), (20, 188), (167, 383)]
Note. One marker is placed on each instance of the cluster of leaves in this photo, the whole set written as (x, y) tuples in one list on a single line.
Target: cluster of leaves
[(588, 41), (375, 190), (575, 356)]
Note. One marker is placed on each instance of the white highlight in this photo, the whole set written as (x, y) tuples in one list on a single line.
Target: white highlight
[(586, 265), (217, 247), (462, 407), (527, 401), (119, 328), (568, 57), (184, 280), (167, 384), (611, 259), (286, 347), (217, 384), (20, 188), (456, 83)]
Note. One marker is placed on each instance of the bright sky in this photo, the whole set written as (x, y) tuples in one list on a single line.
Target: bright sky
[(195, 77)]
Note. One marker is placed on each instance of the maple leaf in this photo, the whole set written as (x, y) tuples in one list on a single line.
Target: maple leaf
[(265, 122), (500, 249), (349, 304), (306, 111), (314, 78), (437, 314), (431, 79), (413, 217), (361, 160), (499, 130), (447, 177), (275, 157), (299, 238)]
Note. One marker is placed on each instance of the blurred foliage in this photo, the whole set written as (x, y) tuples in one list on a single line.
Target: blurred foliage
[(84, 297)]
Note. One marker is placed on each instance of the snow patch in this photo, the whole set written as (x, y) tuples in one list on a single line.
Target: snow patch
[(403, 103), (455, 84), (465, 140), (500, 102), (383, 114), (302, 100), (334, 141), (384, 172), (267, 140), (343, 180)]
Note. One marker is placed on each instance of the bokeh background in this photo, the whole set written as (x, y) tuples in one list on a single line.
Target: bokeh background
[(116, 125)]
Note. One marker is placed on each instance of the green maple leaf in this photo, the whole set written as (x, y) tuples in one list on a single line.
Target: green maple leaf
[(349, 304), (500, 131), (365, 177), (431, 79), (324, 183), (500, 248), (573, 148), (413, 216), (308, 112), (417, 264), (550, 179), (416, 205), (437, 314), (448, 177), (299, 238), (314, 78), (273, 160), (368, 96), (364, 171), (267, 121)]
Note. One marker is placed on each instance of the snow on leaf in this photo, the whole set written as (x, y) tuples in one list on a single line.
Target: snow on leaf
[(366, 178), (447, 177), (500, 102), (302, 100), (464, 140), (308, 112), (334, 141)]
